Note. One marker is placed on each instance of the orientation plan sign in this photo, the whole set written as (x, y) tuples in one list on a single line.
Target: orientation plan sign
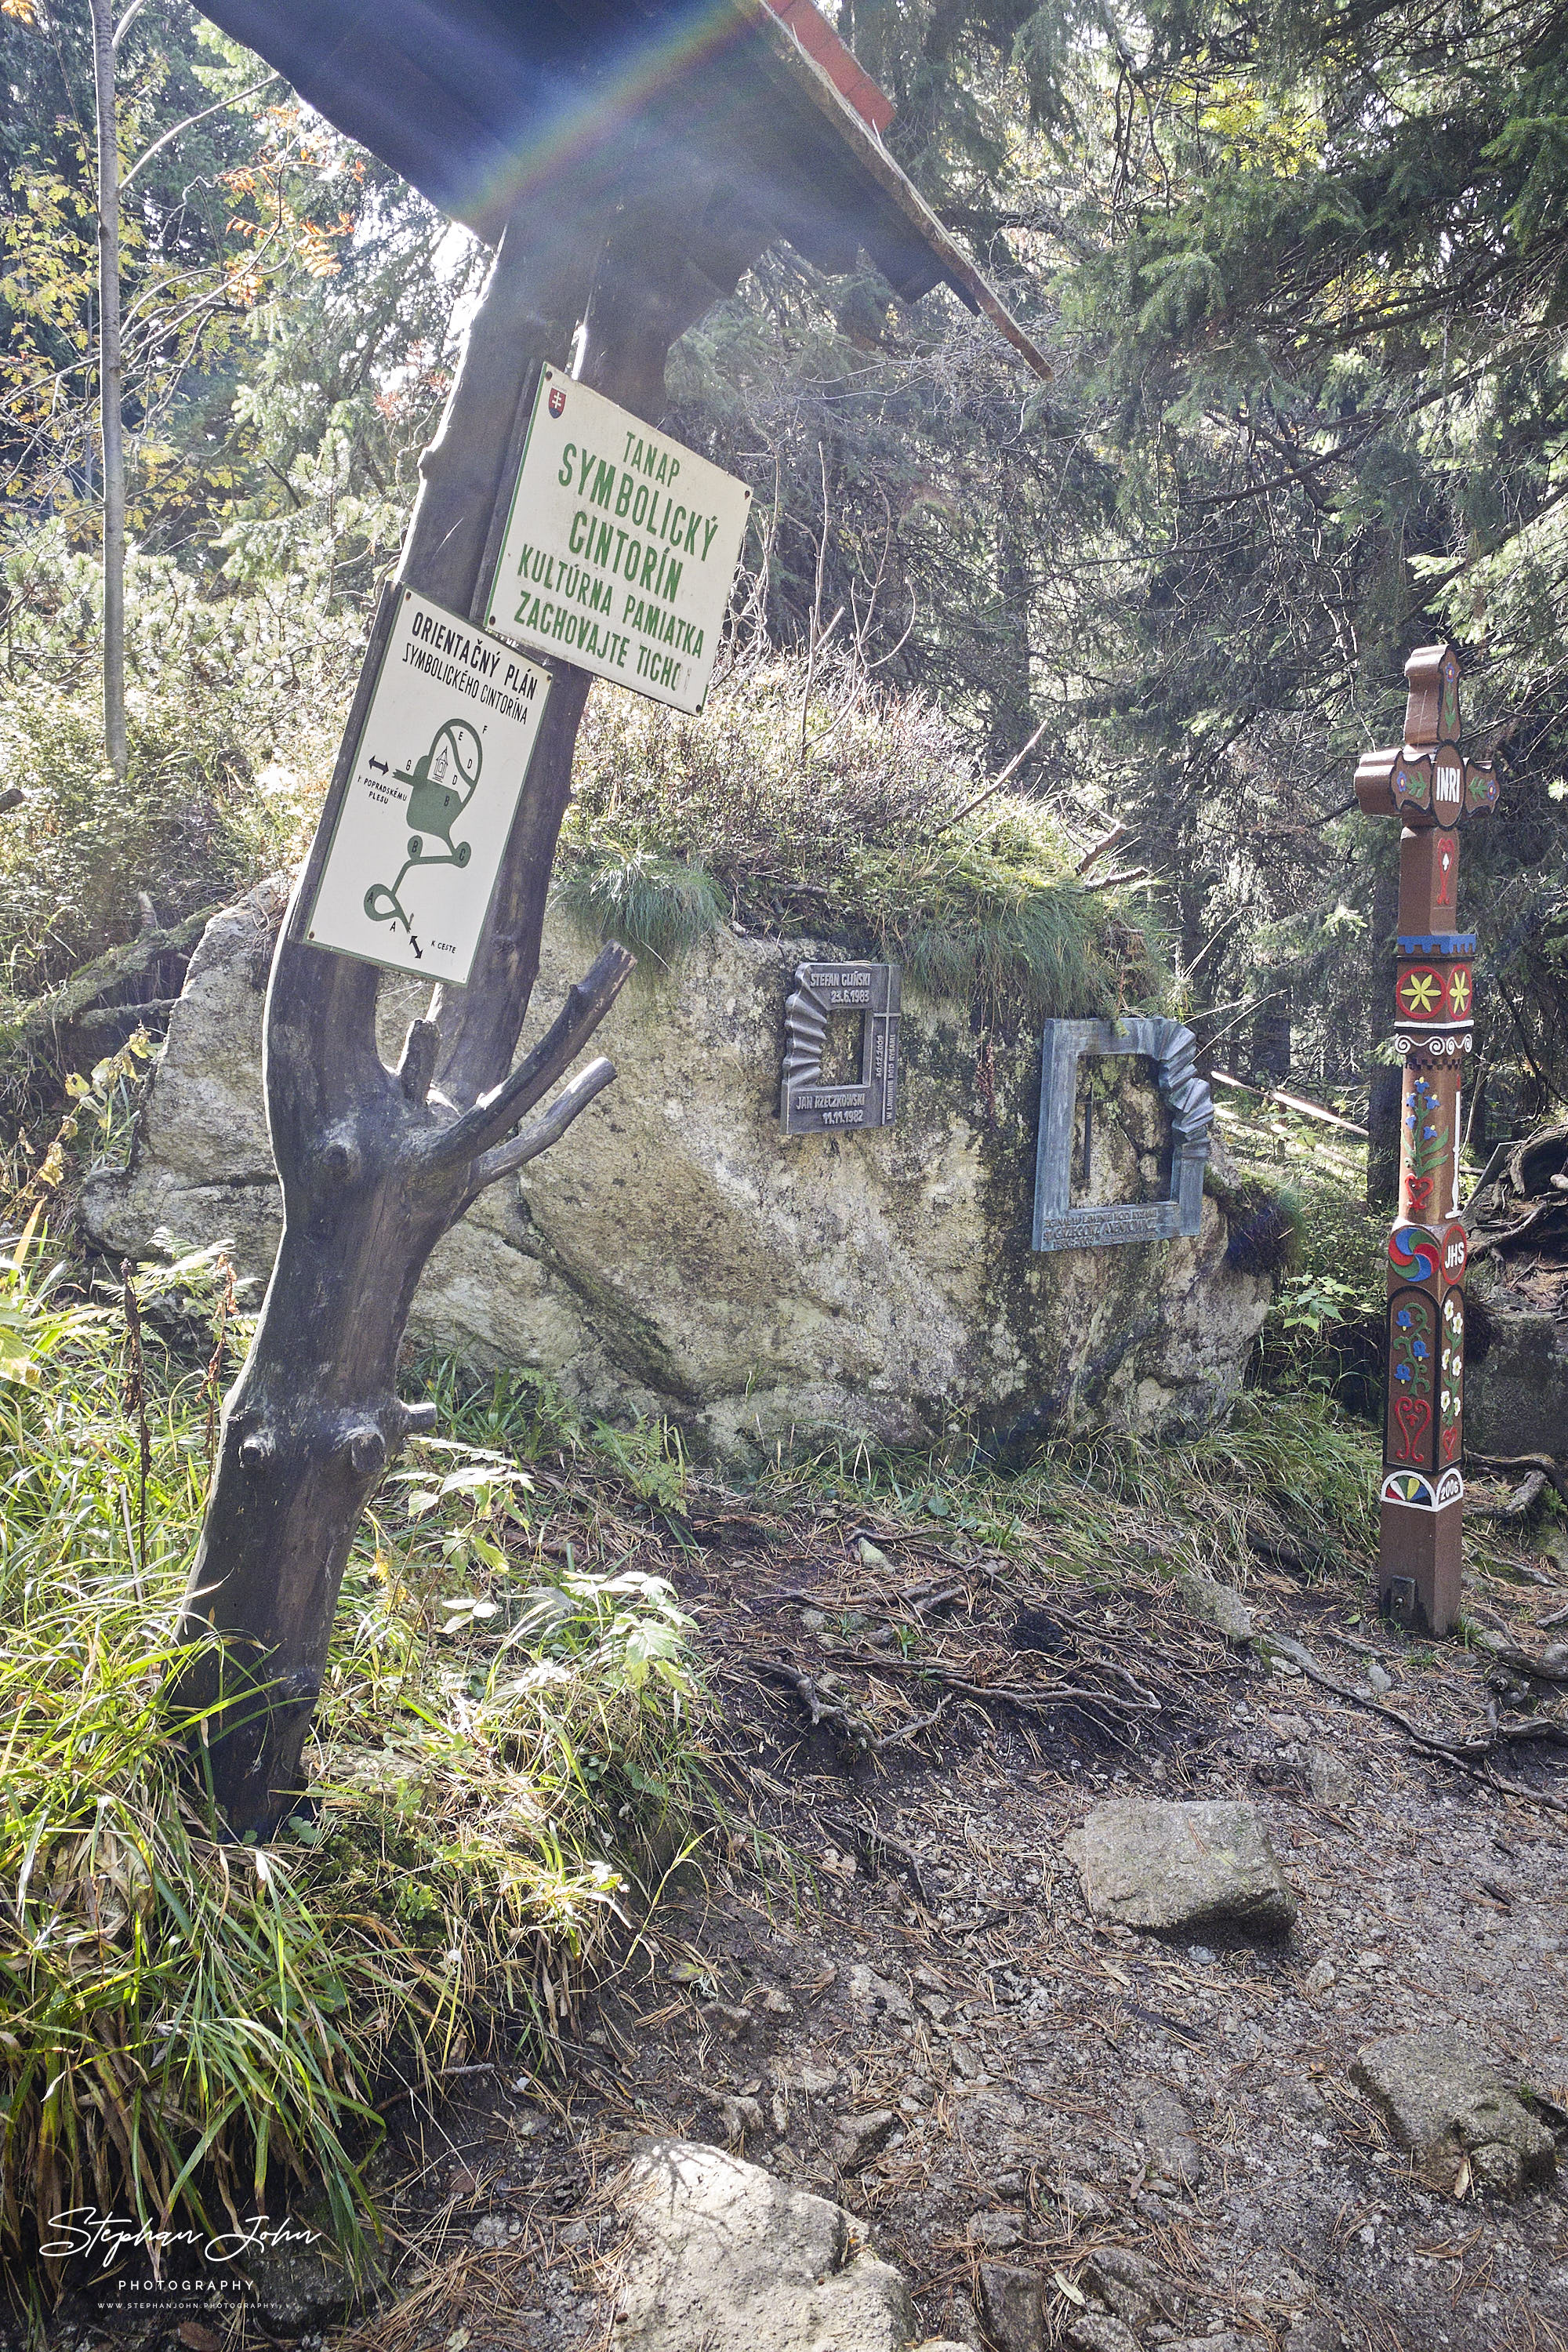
[(621, 547), (423, 819)]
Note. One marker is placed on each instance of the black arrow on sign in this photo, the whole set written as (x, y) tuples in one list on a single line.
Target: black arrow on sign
[(381, 765)]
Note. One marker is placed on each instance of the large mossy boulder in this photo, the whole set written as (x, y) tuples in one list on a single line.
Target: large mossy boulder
[(676, 1254), (1516, 1384)]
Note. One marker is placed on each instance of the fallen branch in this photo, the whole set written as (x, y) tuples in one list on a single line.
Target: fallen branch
[(1008, 772), (1466, 1757), (1292, 1102), (1519, 1662), (913, 1729), (872, 1842), (1553, 1471), (36, 1031), (1107, 840), (105, 1020), (822, 1708), (1516, 1508), (1025, 1695)]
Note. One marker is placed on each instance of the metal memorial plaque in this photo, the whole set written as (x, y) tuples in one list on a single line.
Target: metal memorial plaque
[(621, 547), (809, 1105), (1171, 1048), (421, 824)]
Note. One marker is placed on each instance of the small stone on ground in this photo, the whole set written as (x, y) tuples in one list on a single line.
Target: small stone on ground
[(1456, 2111), (1094, 2331), (1010, 2301), (1171, 1867), (1170, 2138), (1219, 1605), (858, 2137), (1333, 1779), (725, 2256)]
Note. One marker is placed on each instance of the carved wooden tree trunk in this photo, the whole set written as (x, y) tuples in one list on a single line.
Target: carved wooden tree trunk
[(377, 1164)]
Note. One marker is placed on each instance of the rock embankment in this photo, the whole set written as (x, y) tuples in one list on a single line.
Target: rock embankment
[(676, 1254)]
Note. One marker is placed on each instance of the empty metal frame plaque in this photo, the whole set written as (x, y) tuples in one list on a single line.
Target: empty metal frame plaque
[(1171, 1048), (810, 1104)]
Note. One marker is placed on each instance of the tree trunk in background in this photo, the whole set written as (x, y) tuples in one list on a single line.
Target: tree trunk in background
[(374, 1166), (1011, 714), (1271, 1039), (1383, 1093), (111, 386)]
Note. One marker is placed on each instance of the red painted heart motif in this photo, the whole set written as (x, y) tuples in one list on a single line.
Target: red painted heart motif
[(1413, 1415)]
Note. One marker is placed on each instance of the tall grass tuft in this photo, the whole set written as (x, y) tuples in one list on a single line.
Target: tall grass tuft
[(655, 906), (187, 2025)]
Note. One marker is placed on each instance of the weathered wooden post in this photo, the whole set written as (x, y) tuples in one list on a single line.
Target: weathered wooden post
[(630, 171), (1429, 784)]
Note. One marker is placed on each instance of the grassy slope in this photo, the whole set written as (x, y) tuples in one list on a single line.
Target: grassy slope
[(180, 2019)]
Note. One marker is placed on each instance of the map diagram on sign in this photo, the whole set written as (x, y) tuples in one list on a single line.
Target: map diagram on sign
[(434, 806), (418, 823)]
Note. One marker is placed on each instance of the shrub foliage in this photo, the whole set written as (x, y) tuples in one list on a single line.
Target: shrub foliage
[(806, 800)]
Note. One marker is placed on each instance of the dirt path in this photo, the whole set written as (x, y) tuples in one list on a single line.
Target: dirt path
[(885, 1986)]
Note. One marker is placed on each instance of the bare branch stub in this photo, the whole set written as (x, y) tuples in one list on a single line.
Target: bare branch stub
[(417, 1066), (507, 1158), (497, 1113)]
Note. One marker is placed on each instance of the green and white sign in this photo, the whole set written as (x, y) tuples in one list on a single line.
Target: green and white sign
[(621, 547), (423, 820)]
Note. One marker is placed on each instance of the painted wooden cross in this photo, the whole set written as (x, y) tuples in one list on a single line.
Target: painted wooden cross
[(1428, 784)]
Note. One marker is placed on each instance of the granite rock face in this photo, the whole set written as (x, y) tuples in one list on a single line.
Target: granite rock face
[(1516, 1392), (1175, 1866), (675, 1254), (725, 2256)]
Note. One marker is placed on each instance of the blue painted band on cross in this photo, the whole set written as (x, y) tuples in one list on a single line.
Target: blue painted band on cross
[(1437, 943)]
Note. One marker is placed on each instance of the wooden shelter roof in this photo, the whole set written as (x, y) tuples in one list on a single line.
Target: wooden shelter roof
[(487, 105)]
